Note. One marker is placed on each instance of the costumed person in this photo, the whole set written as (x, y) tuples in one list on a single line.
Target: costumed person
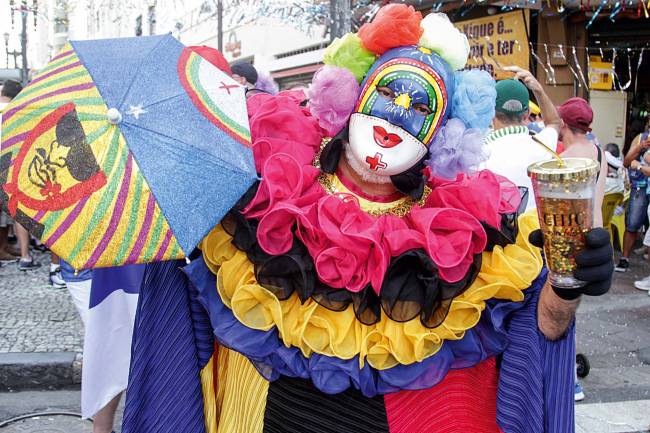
[(372, 280)]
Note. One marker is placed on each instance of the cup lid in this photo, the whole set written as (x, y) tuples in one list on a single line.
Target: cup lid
[(573, 169)]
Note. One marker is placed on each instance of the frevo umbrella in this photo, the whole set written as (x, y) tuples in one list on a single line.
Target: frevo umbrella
[(125, 151)]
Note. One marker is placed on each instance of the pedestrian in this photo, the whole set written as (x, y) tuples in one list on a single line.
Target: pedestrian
[(10, 89), (78, 285), (637, 206), (577, 116), (245, 74), (106, 300), (512, 149)]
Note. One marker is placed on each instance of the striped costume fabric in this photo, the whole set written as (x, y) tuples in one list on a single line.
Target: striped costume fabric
[(164, 392), (527, 394), (36, 126)]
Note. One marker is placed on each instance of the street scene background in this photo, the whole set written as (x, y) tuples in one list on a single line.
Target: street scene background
[(599, 50)]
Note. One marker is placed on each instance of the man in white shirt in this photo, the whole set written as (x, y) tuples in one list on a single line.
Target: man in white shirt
[(512, 149)]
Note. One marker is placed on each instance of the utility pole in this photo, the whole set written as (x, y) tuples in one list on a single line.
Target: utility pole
[(220, 25), (340, 18), (24, 9), (24, 72)]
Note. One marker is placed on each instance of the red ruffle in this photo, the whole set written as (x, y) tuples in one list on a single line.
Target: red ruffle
[(351, 248)]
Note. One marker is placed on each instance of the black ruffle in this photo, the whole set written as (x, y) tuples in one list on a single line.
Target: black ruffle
[(411, 286), (507, 232)]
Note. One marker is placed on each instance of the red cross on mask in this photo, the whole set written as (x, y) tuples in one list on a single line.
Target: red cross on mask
[(375, 162)]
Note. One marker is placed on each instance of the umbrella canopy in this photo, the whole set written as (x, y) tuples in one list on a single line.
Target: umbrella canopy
[(125, 151)]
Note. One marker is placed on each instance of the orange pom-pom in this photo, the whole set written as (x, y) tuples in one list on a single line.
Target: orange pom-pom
[(395, 25)]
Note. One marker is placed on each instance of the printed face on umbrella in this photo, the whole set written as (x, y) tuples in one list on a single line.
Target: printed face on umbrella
[(56, 167), (403, 102)]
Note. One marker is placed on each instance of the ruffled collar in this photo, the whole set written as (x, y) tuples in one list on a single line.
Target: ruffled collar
[(349, 249)]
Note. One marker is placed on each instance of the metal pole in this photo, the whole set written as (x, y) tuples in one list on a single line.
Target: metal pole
[(340, 18), (24, 73), (220, 25)]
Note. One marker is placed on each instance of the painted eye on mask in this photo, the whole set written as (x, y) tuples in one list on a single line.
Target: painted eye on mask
[(386, 92), (422, 109)]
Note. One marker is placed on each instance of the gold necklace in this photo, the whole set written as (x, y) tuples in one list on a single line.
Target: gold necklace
[(401, 207)]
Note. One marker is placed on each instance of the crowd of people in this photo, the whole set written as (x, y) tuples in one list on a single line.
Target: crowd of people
[(637, 163)]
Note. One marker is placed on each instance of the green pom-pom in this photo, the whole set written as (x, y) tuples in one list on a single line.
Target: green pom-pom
[(348, 52)]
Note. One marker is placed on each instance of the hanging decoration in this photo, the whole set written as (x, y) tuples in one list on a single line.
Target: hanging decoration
[(617, 82), (550, 67), (638, 67), (629, 71), (593, 18), (577, 63), (575, 75), (539, 61)]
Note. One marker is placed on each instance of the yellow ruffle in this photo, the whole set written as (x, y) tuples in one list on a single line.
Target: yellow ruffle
[(505, 274)]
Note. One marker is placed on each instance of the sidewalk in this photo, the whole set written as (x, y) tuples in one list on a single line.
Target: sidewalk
[(41, 335)]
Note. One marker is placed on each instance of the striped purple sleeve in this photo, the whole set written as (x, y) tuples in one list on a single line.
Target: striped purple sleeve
[(536, 378)]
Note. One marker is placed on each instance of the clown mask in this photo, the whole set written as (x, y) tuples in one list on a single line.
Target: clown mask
[(402, 104)]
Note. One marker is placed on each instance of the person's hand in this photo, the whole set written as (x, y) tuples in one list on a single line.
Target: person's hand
[(594, 264), (525, 77), (635, 165)]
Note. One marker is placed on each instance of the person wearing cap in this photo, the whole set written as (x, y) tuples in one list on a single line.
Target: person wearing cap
[(577, 116), (245, 74), (512, 149), (637, 205)]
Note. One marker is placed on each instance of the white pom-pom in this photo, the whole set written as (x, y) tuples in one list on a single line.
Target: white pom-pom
[(443, 38)]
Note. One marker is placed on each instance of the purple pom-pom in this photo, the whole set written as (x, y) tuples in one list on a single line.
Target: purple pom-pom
[(332, 96), (266, 83), (455, 149)]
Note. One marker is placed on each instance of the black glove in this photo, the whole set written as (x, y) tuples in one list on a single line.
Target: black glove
[(594, 264)]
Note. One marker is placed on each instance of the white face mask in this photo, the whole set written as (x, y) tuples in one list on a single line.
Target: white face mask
[(378, 149)]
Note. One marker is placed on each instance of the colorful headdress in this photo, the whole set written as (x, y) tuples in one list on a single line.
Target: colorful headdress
[(398, 42)]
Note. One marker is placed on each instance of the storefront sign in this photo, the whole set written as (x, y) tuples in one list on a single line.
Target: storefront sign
[(233, 46), (600, 74), (498, 41)]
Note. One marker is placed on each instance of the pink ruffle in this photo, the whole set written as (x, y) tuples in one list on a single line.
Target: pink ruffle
[(280, 125), (349, 247), (484, 195)]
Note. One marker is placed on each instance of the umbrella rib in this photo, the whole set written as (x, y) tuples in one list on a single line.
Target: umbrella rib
[(135, 76), (164, 100), (212, 157)]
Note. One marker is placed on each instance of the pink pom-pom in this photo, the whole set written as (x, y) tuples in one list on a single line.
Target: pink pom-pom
[(332, 96)]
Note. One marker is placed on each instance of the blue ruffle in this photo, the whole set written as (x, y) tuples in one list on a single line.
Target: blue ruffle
[(333, 375)]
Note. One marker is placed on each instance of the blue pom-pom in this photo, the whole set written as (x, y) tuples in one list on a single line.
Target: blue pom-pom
[(474, 98), (455, 149)]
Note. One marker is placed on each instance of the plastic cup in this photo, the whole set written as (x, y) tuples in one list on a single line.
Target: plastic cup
[(565, 198)]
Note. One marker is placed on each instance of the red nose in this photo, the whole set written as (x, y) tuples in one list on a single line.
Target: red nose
[(385, 139)]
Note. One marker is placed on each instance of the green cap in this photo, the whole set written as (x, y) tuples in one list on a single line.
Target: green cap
[(512, 97)]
